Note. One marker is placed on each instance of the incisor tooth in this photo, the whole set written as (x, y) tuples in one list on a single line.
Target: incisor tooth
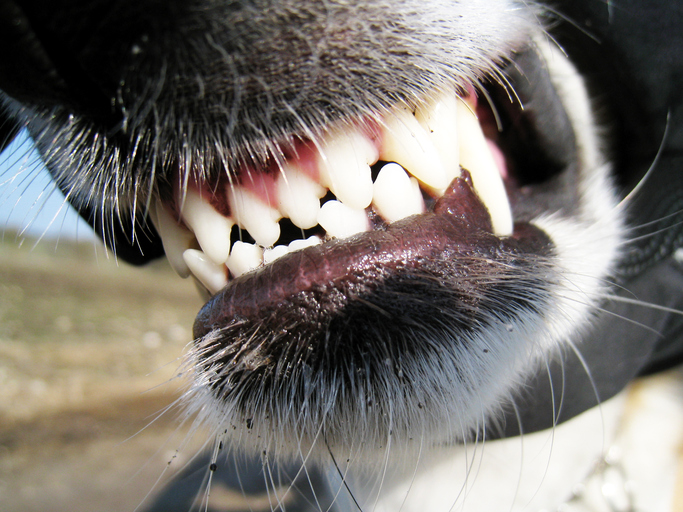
[(299, 196), (344, 165), (210, 274), (210, 227), (439, 117), (259, 219), (175, 238), (476, 157), (396, 195), (295, 245), (339, 220), (270, 255), (407, 143), (244, 257)]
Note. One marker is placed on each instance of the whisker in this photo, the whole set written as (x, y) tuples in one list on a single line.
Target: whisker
[(618, 316), (657, 232), (638, 227), (589, 374), (649, 305), (646, 177), (341, 475), (556, 409), (562, 16)]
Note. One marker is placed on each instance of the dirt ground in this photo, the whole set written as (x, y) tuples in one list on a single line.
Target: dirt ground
[(88, 358)]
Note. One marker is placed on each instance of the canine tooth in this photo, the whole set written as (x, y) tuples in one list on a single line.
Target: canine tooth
[(295, 245), (244, 257), (299, 196), (476, 157), (259, 219), (339, 220), (270, 255), (440, 120), (396, 195), (175, 238), (344, 165), (210, 227), (210, 274), (406, 142)]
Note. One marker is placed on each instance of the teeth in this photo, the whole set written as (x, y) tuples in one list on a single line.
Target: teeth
[(430, 146), (341, 221), (439, 118), (211, 275), (210, 227), (255, 216), (344, 164), (295, 245), (175, 238), (476, 157), (396, 195), (406, 142), (299, 197), (244, 257), (270, 255)]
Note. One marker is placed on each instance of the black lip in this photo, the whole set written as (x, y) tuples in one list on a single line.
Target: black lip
[(535, 132)]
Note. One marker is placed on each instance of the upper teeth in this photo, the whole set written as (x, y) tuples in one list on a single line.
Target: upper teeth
[(430, 145), (476, 156), (439, 118), (406, 141), (175, 238), (252, 214), (344, 163), (299, 196), (396, 194), (210, 227)]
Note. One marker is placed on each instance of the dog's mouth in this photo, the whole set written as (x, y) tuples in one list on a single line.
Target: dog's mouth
[(395, 192), (376, 192), (362, 179), (403, 236)]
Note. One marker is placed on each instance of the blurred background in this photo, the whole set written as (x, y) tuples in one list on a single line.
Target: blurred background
[(89, 351)]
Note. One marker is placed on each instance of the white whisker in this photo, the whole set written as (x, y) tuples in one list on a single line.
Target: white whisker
[(648, 174)]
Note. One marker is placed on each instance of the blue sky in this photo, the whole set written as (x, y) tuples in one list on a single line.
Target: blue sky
[(30, 203)]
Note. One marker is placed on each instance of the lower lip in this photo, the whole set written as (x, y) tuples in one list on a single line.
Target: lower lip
[(460, 226)]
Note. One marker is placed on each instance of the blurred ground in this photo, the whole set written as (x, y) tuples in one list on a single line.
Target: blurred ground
[(88, 354)]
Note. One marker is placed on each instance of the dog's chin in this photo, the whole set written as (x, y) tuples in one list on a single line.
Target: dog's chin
[(379, 332)]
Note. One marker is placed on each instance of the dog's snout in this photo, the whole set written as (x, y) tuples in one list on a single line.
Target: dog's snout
[(236, 72)]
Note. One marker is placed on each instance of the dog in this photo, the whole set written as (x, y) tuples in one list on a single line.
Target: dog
[(429, 233)]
